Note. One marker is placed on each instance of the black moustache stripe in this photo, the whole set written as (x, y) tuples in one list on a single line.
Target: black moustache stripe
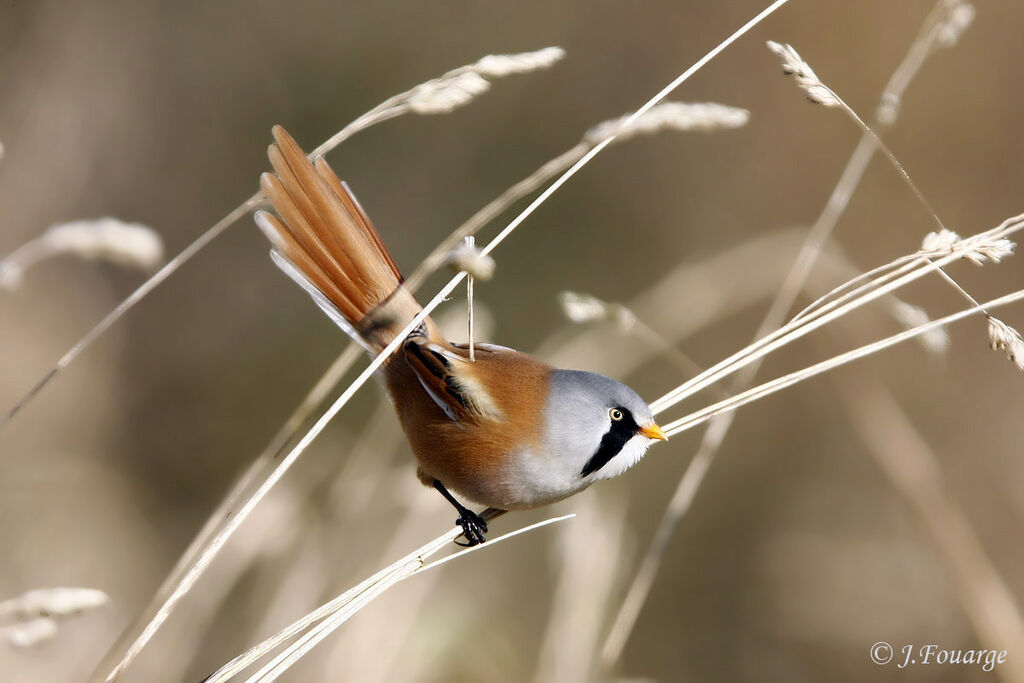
[(612, 442)]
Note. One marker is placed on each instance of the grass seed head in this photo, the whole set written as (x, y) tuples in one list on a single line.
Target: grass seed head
[(794, 65)]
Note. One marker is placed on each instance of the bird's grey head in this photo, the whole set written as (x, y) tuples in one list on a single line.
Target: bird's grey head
[(599, 427)]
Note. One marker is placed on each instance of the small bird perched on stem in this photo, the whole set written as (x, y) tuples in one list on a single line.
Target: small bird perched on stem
[(505, 430)]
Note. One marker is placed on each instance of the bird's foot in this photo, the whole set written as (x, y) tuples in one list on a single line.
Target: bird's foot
[(473, 528)]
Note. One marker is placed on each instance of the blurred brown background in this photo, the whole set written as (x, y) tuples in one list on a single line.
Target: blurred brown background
[(798, 553)]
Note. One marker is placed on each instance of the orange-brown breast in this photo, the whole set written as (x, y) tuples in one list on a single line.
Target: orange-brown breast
[(469, 456)]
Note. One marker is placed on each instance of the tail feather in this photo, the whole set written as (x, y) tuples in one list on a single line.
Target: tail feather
[(307, 197), (297, 241), (355, 209), (329, 242)]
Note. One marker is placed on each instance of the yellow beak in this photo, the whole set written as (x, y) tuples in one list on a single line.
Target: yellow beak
[(653, 431)]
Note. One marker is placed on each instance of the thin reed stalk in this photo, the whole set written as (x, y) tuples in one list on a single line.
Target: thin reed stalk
[(285, 463), (322, 621), (213, 535), (838, 201), (829, 312), (218, 528), (438, 96), (760, 391), (913, 470)]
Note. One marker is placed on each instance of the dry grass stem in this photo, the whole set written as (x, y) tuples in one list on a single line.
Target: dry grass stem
[(762, 390), (591, 553), (737, 278), (275, 475), (794, 282), (585, 308), (914, 472), (445, 93), (672, 116), (325, 619), (942, 28), (375, 364), (953, 21), (951, 25), (442, 88), (646, 107), (204, 547), (218, 528), (793, 65), (701, 293), (827, 312), (476, 265)]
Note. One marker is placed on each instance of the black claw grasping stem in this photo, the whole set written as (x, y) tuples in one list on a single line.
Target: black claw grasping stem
[(474, 526)]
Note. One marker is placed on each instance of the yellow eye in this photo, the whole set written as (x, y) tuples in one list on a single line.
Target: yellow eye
[(615, 414)]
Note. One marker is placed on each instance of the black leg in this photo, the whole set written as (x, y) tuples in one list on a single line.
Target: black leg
[(473, 525)]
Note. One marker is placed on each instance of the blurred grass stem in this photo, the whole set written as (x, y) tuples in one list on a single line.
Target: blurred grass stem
[(333, 614), (329, 414), (693, 476)]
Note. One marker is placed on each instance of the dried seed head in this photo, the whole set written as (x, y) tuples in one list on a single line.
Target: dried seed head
[(495, 66), (54, 602), (978, 249), (128, 244), (1002, 337), (678, 116), (942, 241), (31, 632), (472, 260), (983, 250), (935, 340), (960, 16), (584, 308), (460, 86), (793, 65), (108, 239), (447, 93)]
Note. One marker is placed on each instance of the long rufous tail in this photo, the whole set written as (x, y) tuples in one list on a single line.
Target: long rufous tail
[(327, 244)]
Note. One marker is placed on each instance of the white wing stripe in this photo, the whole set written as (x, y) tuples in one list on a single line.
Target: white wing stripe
[(318, 297)]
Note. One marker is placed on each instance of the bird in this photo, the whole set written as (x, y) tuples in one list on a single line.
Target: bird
[(503, 429)]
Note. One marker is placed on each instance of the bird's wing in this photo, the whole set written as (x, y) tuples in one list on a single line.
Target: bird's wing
[(450, 380)]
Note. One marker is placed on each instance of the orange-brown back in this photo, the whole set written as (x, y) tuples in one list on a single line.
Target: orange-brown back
[(470, 455)]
